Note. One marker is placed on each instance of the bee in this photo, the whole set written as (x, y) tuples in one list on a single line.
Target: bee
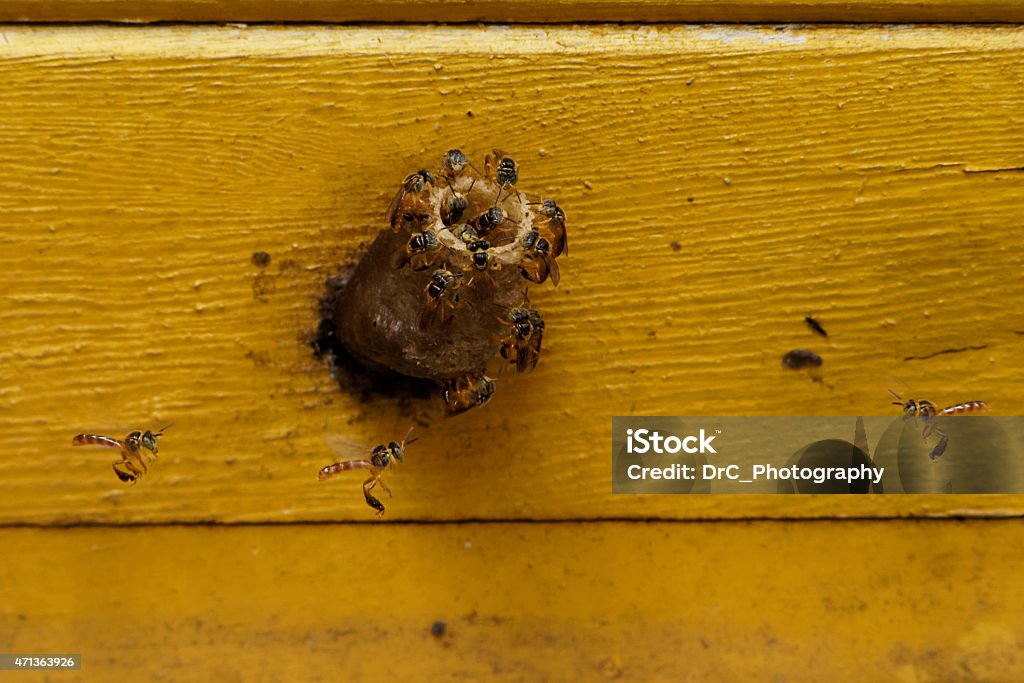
[(410, 213), (453, 163), (480, 258), (556, 224), (480, 261), (468, 391), (131, 451), (801, 358), (466, 233), (488, 220), (538, 263), (522, 346), (420, 253), (381, 458), (506, 171), (440, 294), (928, 411), (454, 205), (925, 408), (815, 325)]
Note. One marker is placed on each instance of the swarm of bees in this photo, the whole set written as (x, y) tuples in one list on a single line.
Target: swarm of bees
[(136, 448), (468, 229)]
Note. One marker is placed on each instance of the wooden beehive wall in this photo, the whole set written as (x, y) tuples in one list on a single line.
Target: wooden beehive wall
[(720, 181)]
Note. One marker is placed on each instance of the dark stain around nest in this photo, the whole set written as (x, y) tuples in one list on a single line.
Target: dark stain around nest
[(353, 376)]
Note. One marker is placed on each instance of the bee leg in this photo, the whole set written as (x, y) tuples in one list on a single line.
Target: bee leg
[(126, 471), (940, 447), (370, 500), (137, 455), (385, 487)]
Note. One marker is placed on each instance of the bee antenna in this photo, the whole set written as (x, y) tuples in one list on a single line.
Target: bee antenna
[(895, 395), (164, 429), (897, 403)]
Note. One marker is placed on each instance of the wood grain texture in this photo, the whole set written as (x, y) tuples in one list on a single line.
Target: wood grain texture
[(870, 176), (835, 601), (519, 11)]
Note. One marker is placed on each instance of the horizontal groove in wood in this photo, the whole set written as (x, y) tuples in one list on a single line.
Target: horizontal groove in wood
[(518, 11)]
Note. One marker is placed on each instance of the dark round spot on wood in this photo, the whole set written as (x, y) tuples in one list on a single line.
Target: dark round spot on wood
[(801, 358), (260, 259), (438, 628), (676, 246)]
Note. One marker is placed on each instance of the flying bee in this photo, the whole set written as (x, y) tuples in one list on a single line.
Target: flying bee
[(411, 213), (556, 224), (928, 411), (468, 391), (132, 464), (420, 253), (440, 296), (488, 220), (522, 346), (381, 458), (454, 205), (538, 263)]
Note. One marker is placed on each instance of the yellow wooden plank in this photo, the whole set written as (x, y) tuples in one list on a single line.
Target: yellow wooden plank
[(869, 176), (798, 601), (525, 11)]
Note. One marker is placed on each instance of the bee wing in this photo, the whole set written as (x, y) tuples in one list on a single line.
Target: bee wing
[(552, 266), (395, 205), (534, 269), (96, 440), (559, 240), (400, 258), (526, 355), (429, 312), (533, 349), (345, 446)]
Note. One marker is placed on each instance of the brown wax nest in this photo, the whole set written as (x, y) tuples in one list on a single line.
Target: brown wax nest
[(443, 289)]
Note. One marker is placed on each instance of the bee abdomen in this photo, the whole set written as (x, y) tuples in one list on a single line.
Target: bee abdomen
[(95, 440), (966, 407)]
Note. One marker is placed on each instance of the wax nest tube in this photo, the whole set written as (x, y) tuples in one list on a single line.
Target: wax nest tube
[(442, 290)]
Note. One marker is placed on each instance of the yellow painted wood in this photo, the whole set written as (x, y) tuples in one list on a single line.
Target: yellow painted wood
[(848, 601), (524, 11), (869, 176)]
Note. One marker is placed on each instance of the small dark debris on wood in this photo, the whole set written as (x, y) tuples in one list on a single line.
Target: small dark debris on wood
[(801, 358), (815, 325)]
